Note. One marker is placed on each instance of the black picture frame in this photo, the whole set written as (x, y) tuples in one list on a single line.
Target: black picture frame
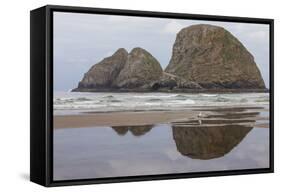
[(41, 94)]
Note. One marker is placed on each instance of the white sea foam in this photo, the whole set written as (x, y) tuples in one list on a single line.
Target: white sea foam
[(101, 102), (208, 95)]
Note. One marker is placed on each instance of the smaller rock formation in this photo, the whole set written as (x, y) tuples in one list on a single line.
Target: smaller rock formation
[(135, 71)]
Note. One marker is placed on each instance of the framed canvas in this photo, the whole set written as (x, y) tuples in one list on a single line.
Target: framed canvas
[(125, 95)]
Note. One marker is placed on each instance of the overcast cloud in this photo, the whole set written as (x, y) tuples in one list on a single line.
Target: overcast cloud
[(81, 40)]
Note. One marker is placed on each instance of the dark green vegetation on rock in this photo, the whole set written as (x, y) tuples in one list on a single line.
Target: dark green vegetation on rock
[(205, 58)]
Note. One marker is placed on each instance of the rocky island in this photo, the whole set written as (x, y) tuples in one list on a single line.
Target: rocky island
[(205, 58)]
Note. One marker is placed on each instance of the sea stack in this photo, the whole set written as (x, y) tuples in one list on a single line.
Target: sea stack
[(123, 71), (212, 57)]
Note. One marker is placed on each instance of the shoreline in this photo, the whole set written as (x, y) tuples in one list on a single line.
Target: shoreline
[(92, 119), (194, 108), (214, 91)]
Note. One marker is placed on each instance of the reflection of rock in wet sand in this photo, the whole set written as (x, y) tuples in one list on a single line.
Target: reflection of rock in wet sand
[(208, 142), (137, 130), (212, 136)]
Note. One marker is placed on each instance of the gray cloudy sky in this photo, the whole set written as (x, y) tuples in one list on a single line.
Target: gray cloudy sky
[(81, 40)]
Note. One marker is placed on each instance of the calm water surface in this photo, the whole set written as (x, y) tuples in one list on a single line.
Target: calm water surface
[(94, 152)]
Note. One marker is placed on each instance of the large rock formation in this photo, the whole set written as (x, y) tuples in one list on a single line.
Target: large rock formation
[(212, 57), (140, 69)]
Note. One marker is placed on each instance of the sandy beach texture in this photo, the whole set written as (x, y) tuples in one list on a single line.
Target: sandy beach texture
[(211, 116)]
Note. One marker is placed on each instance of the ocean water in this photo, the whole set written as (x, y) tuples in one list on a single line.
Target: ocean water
[(72, 102)]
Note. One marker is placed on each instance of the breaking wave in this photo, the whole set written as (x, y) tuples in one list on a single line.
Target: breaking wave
[(101, 102)]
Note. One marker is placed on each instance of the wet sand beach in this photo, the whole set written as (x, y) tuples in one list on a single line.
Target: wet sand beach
[(226, 115), (95, 145)]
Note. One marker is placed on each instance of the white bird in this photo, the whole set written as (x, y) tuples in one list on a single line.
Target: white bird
[(200, 115)]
